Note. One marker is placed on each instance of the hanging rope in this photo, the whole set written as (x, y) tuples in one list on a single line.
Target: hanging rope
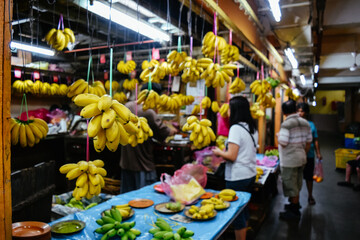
[(23, 101), (111, 64)]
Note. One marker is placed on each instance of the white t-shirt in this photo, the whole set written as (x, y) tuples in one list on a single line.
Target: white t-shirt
[(245, 164)]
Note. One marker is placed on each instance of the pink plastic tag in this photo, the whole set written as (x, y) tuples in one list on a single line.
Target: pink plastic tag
[(155, 54), (128, 55)]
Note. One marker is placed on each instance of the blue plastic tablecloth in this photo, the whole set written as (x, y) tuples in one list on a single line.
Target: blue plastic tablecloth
[(204, 230)]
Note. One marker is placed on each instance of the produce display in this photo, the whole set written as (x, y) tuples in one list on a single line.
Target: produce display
[(216, 75), (124, 209), (273, 82), (195, 110), (120, 97), (205, 102), (227, 194), (259, 173), (59, 39), (154, 71), (89, 177), (39, 88), (79, 204), (218, 203), (174, 206), (126, 67), (256, 111), (290, 93), (262, 88), (209, 42), (203, 212), (27, 133), (163, 230), (202, 134), (215, 107), (112, 226), (229, 54), (272, 152), (174, 59)]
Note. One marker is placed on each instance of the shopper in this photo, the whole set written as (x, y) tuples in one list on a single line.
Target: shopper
[(352, 166), (137, 163), (303, 111), (294, 140), (240, 156)]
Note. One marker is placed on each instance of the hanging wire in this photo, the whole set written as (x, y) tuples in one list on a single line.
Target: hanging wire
[(189, 19), (203, 20), (109, 26), (67, 13)]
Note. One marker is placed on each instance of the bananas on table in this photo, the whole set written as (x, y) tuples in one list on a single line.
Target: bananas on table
[(59, 39), (126, 67), (27, 133), (202, 134), (218, 203), (227, 194), (130, 84), (163, 230), (89, 177), (204, 212)]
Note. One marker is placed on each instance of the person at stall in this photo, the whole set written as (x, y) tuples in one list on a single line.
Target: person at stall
[(352, 166), (294, 140), (303, 111), (137, 163), (240, 156)]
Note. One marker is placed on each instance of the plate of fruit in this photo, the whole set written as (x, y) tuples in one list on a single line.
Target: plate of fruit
[(203, 213), (169, 207), (218, 203), (228, 195)]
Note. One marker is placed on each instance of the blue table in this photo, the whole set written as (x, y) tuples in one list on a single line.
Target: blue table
[(205, 230)]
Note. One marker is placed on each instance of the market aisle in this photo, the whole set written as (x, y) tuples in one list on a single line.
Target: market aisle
[(336, 214)]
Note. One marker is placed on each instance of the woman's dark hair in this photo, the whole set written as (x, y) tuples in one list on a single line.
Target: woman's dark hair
[(304, 107), (289, 107), (240, 112), (154, 86)]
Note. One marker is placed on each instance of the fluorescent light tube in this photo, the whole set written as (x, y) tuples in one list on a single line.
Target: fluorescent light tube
[(275, 9), (316, 68), (31, 48), (134, 6), (302, 79), (290, 55), (127, 21)]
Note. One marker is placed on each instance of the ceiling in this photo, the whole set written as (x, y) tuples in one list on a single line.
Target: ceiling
[(323, 32)]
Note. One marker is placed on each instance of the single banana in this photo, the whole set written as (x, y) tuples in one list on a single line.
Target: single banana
[(85, 99), (94, 125), (108, 118), (90, 110)]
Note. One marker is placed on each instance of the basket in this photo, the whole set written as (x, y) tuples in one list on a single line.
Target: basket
[(342, 155)]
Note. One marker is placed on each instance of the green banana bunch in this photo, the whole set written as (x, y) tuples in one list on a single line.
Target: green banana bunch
[(112, 225), (163, 230)]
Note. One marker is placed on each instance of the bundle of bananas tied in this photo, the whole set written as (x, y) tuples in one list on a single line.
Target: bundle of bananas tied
[(146, 64), (260, 87), (21, 87), (205, 102), (154, 71), (80, 86), (195, 110), (169, 103), (290, 93), (126, 67), (191, 70), (209, 42), (256, 111), (111, 122), (149, 99), (224, 110), (112, 226), (227, 194), (115, 85), (142, 134), (130, 84), (238, 85), (163, 230), (120, 97), (229, 54), (215, 107), (202, 134), (216, 75), (59, 39), (89, 177), (186, 99), (27, 133), (175, 59), (266, 100), (167, 68)]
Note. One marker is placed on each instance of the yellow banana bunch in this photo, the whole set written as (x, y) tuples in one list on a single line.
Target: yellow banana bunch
[(209, 42), (63, 89), (205, 102), (220, 142), (260, 87), (229, 54), (216, 75), (19, 86), (215, 106), (168, 69), (45, 89), (37, 86), (196, 110), (290, 93), (89, 177), (238, 85), (149, 99), (115, 85), (120, 97), (155, 71), (143, 133), (59, 39), (97, 88), (267, 100), (227, 194), (78, 87), (186, 99), (54, 89), (175, 60), (256, 111), (27, 133), (130, 84), (167, 103), (202, 134), (191, 70), (224, 110), (126, 67)]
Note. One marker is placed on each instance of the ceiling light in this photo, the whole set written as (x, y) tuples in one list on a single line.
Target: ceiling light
[(314, 103), (125, 20), (316, 68), (136, 7), (316, 84), (275, 9), (289, 52), (31, 48), (302, 79)]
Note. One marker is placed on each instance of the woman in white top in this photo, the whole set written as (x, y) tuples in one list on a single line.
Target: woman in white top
[(240, 156)]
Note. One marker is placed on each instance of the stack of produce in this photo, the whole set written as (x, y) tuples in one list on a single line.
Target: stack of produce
[(124, 210), (202, 134), (163, 230), (174, 206), (130, 84), (126, 67), (203, 212), (59, 39), (89, 177), (273, 82), (218, 203), (27, 133), (175, 60), (79, 204), (112, 226), (227, 194), (272, 152)]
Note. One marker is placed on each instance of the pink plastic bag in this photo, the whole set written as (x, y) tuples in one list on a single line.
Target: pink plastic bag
[(38, 113), (318, 172), (207, 158), (188, 172), (223, 125)]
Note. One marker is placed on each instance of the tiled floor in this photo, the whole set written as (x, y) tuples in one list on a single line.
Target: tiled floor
[(336, 215)]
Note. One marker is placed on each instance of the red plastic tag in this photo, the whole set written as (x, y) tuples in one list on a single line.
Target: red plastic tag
[(36, 75), (106, 75), (17, 73), (55, 79), (128, 55), (155, 54), (102, 58)]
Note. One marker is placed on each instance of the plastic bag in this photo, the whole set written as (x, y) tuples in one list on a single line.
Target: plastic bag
[(38, 113), (223, 125), (207, 158), (187, 184), (318, 172)]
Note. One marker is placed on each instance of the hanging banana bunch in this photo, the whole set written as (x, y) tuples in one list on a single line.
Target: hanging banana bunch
[(21, 87), (126, 67), (229, 54), (224, 110), (195, 110), (169, 103), (290, 93), (262, 88), (202, 134), (174, 58), (216, 75), (120, 97), (191, 70), (256, 111), (205, 102), (144, 132), (149, 99), (59, 39), (155, 71), (80, 86), (209, 42), (115, 85), (215, 107), (238, 85), (267, 100), (27, 133), (130, 84), (89, 177)]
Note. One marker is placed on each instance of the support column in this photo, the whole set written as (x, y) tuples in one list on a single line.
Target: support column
[(5, 140), (262, 131)]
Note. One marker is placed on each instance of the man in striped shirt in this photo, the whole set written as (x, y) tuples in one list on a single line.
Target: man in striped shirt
[(294, 140)]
